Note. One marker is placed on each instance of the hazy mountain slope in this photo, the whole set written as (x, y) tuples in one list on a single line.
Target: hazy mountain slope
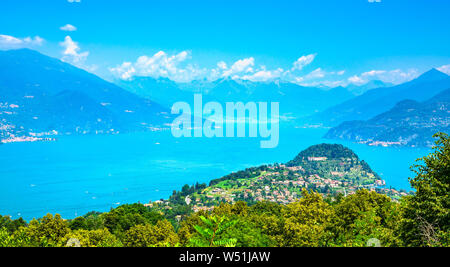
[(163, 91), (40, 93), (409, 123), (295, 101), (379, 100), (360, 89)]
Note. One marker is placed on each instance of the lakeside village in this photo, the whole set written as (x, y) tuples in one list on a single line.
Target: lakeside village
[(10, 133), (278, 183)]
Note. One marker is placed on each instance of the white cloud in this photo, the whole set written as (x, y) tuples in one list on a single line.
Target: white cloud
[(71, 53), (222, 65), (445, 69), (315, 78), (74, 1), (357, 80), (68, 28), (160, 65), (176, 67), (393, 76), (303, 61), (263, 75), (315, 74), (11, 42), (373, 73), (326, 84), (241, 66), (244, 69), (125, 71), (365, 77), (374, 1), (6, 39)]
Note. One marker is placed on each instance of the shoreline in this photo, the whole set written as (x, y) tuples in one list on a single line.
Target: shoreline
[(27, 139)]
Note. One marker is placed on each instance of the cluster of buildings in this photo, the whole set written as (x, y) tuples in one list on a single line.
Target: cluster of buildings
[(275, 186), (382, 143)]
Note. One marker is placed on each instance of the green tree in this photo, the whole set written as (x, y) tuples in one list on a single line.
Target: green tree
[(92, 238), (121, 219), (160, 235), (427, 213), (6, 240), (11, 225), (209, 235), (48, 231), (79, 223), (362, 216), (187, 230), (306, 221), (268, 218)]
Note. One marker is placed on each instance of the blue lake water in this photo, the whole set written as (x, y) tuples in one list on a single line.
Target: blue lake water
[(78, 174)]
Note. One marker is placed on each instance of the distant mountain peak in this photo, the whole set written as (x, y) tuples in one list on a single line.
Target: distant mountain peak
[(431, 75), (372, 84)]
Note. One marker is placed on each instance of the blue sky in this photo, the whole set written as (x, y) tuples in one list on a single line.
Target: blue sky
[(326, 42)]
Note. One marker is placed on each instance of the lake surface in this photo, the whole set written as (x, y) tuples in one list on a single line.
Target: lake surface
[(78, 174)]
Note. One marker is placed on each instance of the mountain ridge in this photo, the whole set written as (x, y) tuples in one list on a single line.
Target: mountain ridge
[(42, 94), (408, 123), (295, 100), (376, 101)]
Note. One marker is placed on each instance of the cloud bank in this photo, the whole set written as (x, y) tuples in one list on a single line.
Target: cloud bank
[(68, 28), (11, 42), (176, 68)]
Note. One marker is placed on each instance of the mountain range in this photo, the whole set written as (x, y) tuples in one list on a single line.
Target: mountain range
[(379, 100), (374, 113), (409, 123), (295, 101), (40, 94), (361, 89)]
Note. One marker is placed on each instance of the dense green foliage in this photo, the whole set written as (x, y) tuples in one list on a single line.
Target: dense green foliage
[(247, 173), (427, 212), (208, 235), (338, 158), (355, 220)]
